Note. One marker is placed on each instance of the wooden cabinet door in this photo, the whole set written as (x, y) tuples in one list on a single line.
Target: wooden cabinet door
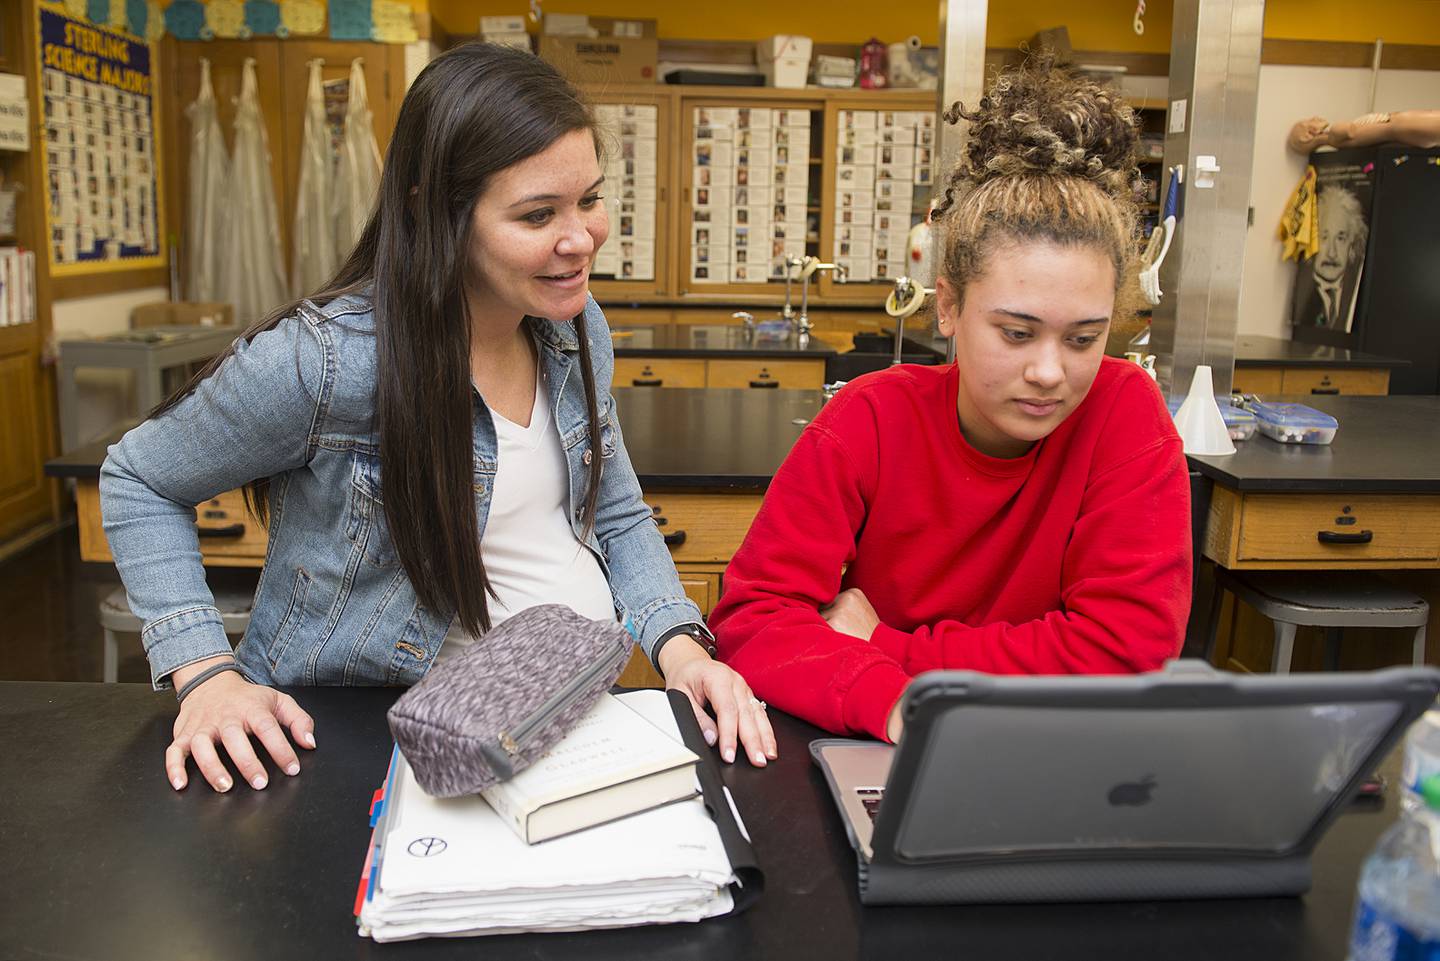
[(384, 66), (227, 61), (282, 75), (24, 432), (26, 388)]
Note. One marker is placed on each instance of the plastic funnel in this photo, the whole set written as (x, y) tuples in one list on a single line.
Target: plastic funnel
[(1198, 420)]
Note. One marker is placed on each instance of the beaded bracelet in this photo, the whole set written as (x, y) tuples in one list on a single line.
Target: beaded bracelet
[(204, 676)]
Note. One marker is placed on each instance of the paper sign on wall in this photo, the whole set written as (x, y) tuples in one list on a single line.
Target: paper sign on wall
[(1177, 115), (98, 116), (14, 113)]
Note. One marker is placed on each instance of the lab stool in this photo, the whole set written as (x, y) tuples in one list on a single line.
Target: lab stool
[(115, 615), (1330, 600)]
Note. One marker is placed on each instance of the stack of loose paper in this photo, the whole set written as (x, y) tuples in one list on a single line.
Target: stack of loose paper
[(453, 867)]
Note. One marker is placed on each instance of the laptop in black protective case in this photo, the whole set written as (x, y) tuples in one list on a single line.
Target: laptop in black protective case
[(1186, 783)]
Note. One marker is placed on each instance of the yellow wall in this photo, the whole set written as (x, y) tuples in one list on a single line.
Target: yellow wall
[(1098, 25), (1394, 21), (1093, 24)]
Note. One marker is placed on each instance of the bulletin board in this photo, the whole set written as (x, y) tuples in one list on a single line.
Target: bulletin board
[(99, 123)]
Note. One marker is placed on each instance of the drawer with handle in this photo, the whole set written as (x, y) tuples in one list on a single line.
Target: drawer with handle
[(767, 374), (659, 372), (1322, 381), (227, 529), (703, 528), (1340, 527), (229, 536)]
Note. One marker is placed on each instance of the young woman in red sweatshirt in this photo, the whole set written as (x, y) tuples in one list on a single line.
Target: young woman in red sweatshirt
[(1024, 510)]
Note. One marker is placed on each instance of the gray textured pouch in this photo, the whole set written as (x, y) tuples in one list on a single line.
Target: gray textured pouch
[(484, 716)]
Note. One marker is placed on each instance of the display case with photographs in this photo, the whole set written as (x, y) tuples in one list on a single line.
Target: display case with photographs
[(634, 261), (883, 166), (750, 202), (710, 190)]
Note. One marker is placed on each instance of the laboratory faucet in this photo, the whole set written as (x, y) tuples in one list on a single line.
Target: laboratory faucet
[(813, 265), (791, 263), (748, 319)]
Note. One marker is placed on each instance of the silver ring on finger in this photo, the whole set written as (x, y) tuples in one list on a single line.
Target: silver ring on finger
[(756, 703)]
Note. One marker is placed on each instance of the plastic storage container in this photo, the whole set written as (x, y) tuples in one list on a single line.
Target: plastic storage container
[(1294, 423), (1240, 424)]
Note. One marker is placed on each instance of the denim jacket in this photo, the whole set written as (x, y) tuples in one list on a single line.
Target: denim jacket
[(334, 605)]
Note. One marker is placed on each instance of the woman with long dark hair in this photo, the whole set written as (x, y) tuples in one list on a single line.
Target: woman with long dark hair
[(431, 437)]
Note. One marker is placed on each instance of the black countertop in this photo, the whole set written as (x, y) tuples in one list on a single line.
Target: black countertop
[(676, 437), (1383, 444), (717, 341), (693, 438), (104, 861), (1256, 351)]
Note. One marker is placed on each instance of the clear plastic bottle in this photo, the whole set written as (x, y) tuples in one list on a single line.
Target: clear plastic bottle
[(1422, 758), (1397, 913)]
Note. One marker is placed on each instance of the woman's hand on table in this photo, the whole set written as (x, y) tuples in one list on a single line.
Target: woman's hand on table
[(738, 713), (851, 613), (227, 710)]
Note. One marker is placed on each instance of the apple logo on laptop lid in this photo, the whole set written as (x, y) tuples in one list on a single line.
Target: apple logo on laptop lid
[(1132, 793)]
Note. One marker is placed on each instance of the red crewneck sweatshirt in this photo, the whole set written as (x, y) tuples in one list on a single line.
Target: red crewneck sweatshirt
[(1073, 559)]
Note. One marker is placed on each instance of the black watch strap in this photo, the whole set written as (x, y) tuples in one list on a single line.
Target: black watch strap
[(696, 632)]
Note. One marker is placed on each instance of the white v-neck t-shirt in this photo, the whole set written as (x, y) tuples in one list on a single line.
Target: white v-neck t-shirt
[(531, 554)]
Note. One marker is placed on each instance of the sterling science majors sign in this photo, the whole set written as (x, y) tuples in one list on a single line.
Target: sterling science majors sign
[(97, 95)]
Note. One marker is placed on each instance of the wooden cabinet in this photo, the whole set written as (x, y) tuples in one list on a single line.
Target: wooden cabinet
[(698, 212), (879, 159), (1258, 380), (1311, 380), (27, 392), (1323, 531), (638, 156), (713, 525), (665, 372)]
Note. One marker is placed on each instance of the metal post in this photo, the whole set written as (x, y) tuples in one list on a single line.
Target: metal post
[(962, 77), (1214, 73)]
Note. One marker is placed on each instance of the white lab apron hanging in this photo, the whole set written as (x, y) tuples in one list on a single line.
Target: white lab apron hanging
[(314, 258), (205, 227), (357, 175), (252, 271)]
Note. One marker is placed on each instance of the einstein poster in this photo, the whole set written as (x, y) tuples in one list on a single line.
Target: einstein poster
[(1326, 284), (98, 104)]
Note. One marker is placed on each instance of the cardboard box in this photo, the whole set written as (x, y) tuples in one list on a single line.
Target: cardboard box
[(503, 24), (168, 313), (784, 60), (603, 59), (618, 51)]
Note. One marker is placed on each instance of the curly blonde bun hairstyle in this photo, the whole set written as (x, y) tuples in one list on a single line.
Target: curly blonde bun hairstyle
[(1050, 159)]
